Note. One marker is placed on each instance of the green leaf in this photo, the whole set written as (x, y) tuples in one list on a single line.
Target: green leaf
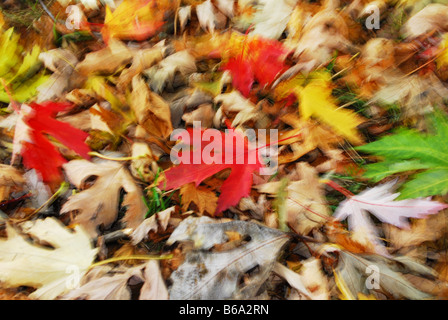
[(408, 144), (380, 170), (409, 150), (424, 184)]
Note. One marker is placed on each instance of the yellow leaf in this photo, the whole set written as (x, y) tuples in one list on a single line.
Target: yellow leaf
[(342, 286), (315, 100), (134, 20), (442, 60)]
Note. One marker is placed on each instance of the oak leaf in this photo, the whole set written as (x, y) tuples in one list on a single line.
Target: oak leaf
[(98, 205)]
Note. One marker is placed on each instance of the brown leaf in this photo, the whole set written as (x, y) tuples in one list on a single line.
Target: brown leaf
[(305, 137), (143, 59), (151, 110), (422, 230), (204, 198), (11, 180), (107, 60), (98, 205), (306, 205)]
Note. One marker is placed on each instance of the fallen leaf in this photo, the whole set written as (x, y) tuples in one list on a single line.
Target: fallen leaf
[(50, 270), (379, 201), (114, 285), (152, 224), (11, 179), (215, 275), (63, 63), (107, 60), (271, 20), (162, 74), (316, 100), (238, 183), (152, 111), (134, 20), (98, 205), (354, 270), (305, 202), (204, 198)]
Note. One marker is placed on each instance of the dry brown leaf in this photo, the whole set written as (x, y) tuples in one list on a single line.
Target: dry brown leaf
[(142, 59), (151, 110), (306, 205), (157, 222), (107, 60), (204, 113), (305, 137), (430, 18), (234, 103), (98, 205), (105, 283), (325, 32), (62, 62), (162, 75), (421, 230), (11, 180), (204, 198)]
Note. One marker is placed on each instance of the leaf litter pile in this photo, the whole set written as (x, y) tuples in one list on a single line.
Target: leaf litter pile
[(95, 94)]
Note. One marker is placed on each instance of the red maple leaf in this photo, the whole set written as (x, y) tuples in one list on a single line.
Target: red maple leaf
[(244, 162), (260, 60), (39, 153)]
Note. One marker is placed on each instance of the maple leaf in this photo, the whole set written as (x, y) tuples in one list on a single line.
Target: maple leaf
[(204, 198), (239, 182), (380, 201), (99, 204), (408, 150), (316, 100), (24, 263), (254, 58), (38, 152)]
